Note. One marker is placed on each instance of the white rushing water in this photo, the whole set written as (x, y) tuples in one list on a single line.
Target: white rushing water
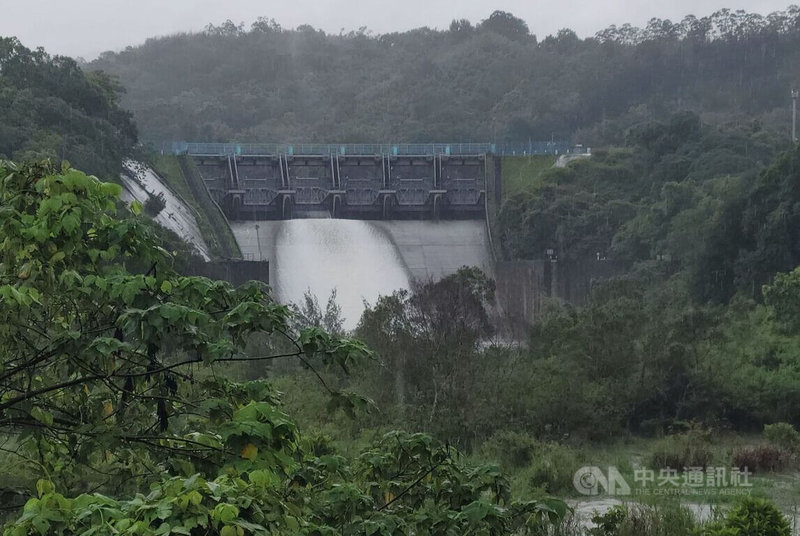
[(362, 260), (140, 182), (320, 255)]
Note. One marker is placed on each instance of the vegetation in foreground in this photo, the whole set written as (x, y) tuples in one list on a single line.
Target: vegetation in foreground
[(114, 399)]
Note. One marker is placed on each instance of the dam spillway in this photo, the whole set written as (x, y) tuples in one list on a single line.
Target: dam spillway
[(362, 260), (369, 184), (364, 219)]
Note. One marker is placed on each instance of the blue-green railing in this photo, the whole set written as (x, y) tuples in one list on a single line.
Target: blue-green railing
[(409, 149)]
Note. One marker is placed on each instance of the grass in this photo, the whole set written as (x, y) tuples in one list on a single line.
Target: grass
[(536, 467), (520, 173), (212, 223)]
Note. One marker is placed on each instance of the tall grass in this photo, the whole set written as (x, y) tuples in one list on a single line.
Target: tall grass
[(521, 173)]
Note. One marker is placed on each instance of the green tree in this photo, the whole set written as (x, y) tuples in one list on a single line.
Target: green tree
[(111, 379), (51, 108), (426, 340), (506, 25), (783, 296)]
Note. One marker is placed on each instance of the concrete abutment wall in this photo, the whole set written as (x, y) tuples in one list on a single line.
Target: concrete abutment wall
[(524, 287)]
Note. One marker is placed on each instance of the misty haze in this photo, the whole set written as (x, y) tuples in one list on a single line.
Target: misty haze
[(399, 268)]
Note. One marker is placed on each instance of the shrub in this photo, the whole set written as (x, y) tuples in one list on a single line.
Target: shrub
[(640, 519), (539, 465), (751, 517), (511, 449), (608, 523), (692, 449), (553, 468), (155, 204), (761, 458), (783, 435)]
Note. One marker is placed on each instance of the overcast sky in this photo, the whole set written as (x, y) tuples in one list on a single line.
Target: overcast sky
[(87, 27)]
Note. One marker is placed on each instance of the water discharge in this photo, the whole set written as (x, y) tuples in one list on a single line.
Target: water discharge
[(353, 257), (360, 259)]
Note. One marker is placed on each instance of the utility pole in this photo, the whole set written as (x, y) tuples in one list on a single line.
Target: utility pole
[(795, 94), (258, 241)]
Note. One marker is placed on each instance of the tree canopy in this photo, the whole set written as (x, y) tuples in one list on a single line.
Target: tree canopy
[(51, 108), (488, 81)]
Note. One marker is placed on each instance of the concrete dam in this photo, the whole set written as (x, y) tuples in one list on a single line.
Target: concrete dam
[(355, 181), (367, 220), (363, 220)]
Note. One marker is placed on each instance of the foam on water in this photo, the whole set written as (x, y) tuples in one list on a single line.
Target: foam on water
[(353, 257), (360, 259)]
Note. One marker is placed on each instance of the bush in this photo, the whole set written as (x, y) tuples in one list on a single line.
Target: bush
[(751, 517), (538, 466), (155, 204), (761, 458), (608, 523), (640, 519), (783, 435), (553, 468), (692, 449), (512, 450)]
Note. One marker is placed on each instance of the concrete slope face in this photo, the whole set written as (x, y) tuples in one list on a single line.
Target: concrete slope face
[(434, 249), (140, 182), (362, 260)]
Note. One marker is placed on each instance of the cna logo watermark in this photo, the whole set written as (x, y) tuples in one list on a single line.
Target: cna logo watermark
[(592, 481)]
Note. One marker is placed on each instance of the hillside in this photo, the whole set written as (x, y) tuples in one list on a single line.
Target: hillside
[(490, 81), (51, 108)]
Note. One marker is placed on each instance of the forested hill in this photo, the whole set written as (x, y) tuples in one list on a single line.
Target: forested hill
[(50, 108), (488, 81)]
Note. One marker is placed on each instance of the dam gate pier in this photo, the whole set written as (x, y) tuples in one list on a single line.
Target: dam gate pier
[(368, 181), (352, 186)]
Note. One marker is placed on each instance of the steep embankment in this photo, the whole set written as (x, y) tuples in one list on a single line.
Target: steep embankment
[(506, 177), (179, 175), (141, 183)]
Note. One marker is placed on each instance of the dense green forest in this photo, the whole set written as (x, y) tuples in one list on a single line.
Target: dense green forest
[(693, 196), (472, 82), (51, 108), (133, 400)]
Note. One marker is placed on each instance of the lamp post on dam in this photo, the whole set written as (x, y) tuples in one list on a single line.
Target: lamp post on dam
[(795, 94)]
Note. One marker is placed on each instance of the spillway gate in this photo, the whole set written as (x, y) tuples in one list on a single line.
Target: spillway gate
[(288, 185)]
